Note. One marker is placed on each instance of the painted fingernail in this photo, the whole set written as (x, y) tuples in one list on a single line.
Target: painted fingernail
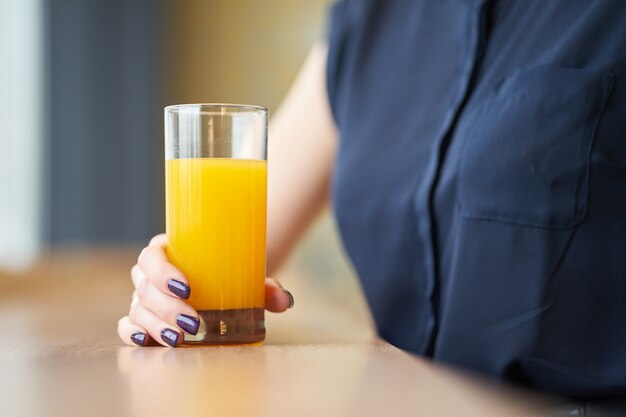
[(291, 301), (170, 337), (189, 324), (138, 338), (179, 288)]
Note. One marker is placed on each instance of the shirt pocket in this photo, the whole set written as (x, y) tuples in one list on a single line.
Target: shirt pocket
[(526, 151)]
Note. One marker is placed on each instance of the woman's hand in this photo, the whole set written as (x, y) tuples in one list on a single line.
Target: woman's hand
[(158, 310)]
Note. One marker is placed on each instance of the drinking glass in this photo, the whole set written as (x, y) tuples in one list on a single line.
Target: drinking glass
[(215, 192)]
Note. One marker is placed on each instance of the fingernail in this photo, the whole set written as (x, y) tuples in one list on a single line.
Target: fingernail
[(189, 324), (170, 337), (138, 338), (291, 301), (179, 288)]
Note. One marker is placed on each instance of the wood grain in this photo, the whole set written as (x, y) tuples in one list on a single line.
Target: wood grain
[(60, 356)]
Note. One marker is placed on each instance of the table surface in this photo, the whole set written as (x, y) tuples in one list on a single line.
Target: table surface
[(60, 355)]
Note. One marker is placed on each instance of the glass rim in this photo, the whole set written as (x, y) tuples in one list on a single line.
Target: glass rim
[(215, 108)]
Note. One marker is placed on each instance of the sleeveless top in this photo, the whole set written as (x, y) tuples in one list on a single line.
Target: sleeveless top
[(480, 182)]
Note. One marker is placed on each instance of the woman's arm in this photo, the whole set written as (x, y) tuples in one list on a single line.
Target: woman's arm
[(302, 143)]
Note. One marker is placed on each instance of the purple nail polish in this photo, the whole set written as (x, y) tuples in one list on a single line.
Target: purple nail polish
[(179, 288), (170, 337), (189, 324), (291, 300), (138, 338)]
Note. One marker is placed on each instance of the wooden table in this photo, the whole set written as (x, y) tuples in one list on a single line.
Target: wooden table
[(60, 356)]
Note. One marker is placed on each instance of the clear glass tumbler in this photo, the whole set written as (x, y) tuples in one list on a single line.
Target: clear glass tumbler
[(216, 189)]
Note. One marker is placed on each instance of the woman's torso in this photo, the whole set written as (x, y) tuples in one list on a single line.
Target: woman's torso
[(480, 184)]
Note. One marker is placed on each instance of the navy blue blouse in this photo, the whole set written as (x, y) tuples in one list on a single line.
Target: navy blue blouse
[(480, 184)]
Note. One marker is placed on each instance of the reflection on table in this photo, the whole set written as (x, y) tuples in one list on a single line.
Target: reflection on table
[(60, 355)]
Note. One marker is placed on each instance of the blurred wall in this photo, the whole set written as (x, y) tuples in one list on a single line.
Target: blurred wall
[(21, 121), (238, 51), (111, 67), (103, 136)]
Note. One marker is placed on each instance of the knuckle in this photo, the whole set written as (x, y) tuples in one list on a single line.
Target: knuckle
[(273, 283), (143, 255), (120, 323), (142, 289), (167, 312), (161, 270), (134, 270), (156, 239), (132, 312)]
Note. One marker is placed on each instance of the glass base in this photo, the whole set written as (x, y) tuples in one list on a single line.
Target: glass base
[(229, 327)]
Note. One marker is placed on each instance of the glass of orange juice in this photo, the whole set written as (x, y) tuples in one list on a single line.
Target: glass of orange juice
[(215, 192)]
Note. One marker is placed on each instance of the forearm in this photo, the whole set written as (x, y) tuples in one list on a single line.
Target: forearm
[(302, 143)]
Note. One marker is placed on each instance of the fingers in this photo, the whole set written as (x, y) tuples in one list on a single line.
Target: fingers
[(277, 299), (131, 333), (162, 273), (158, 311), (155, 315), (170, 309), (162, 332)]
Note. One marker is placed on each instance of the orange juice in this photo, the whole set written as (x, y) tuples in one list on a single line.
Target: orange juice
[(215, 221)]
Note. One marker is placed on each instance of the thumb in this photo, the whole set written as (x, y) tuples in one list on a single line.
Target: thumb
[(277, 299)]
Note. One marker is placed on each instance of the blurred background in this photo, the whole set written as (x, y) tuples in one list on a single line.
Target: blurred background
[(83, 86)]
